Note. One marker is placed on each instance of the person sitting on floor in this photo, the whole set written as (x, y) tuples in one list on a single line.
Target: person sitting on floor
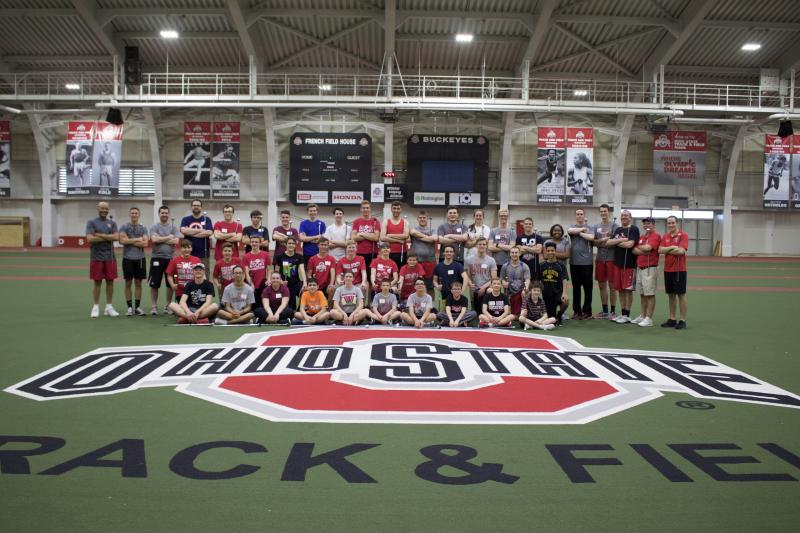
[(313, 304), (196, 305), (384, 305), (419, 307), (456, 312), (238, 299), (534, 310), (275, 302), (495, 310), (348, 302)]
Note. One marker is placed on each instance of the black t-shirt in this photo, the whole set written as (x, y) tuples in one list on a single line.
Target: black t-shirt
[(197, 293), (447, 274), (495, 305), (552, 277), (261, 232), (456, 305), (289, 267), (623, 257), (532, 260)]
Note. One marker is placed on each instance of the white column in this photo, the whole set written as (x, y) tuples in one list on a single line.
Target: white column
[(390, 15), (727, 203), (505, 160), (388, 163), (273, 173), (624, 124), (158, 158), (47, 165)]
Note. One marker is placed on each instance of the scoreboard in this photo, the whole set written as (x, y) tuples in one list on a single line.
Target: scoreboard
[(330, 168)]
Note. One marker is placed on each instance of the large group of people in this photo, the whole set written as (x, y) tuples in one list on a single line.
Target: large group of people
[(391, 272)]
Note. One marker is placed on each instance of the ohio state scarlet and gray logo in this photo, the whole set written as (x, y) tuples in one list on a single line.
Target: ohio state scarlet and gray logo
[(395, 375)]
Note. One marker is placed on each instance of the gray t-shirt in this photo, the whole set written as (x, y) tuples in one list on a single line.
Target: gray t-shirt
[(425, 251), (130, 251), (454, 229), (581, 251), (238, 297), (163, 250), (480, 269), (101, 251), (348, 298), (516, 276), (383, 304), (417, 305), (602, 231), (502, 236)]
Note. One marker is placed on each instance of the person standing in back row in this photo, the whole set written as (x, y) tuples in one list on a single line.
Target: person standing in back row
[(133, 237), (624, 239), (366, 234), (198, 228), (101, 232), (580, 266), (395, 231), (164, 237), (674, 244), (311, 231), (604, 263), (454, 233)]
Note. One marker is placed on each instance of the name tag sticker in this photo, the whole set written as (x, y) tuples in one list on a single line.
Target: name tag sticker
[(382, 301), (155, 263), (450, 272), (224, 230), (484, 265), (458, 230)]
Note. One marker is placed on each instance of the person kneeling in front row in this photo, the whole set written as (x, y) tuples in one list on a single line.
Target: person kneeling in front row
[(275, 301), (238, 299), (196, 305), (534, 310)]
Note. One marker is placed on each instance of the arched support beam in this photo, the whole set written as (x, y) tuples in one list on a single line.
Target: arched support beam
[(624, 125), (727, 203), (47, 165), (273, 172), (505, 159), (158, 157)]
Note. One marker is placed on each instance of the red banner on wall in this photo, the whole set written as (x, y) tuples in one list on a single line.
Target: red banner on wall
[(679, 157), (225, 181), (551, 166), (580, 159), (777, 157)]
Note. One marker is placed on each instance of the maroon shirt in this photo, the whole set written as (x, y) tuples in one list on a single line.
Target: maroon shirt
[(275, 297)]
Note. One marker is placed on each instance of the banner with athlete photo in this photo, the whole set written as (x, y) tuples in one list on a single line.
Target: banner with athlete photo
[(106, 159), (551, 167), (225, 160), (795, 184), (777, 153), (196, 160), (78, 162), (580, 156), (679, 157), (5, 158)]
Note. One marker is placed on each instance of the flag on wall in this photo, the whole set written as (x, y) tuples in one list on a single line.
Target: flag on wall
[(225, 161), (196, 160), (5, 158), (551, 168), (795, 185), (679, 157), (777, 154), (106, 158), (580, 158), (78, 162)]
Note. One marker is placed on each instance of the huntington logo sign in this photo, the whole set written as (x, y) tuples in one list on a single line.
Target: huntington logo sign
[(390, 375)]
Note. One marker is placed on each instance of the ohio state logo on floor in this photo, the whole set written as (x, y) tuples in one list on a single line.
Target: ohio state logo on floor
[(405, 376)]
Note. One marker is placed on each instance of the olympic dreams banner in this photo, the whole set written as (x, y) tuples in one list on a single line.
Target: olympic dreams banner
[(580, 156), (106, 159), (551, 167), (777, 153), (225, 161), (196, 160), (795, 185), (5, 158), (80, 138), (679, 157)]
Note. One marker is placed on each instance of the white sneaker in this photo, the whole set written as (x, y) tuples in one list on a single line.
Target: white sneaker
[(95, 311), (646, 322), (526, 327), (110, 311), (154, 310), (548, 327), (637, 319), (622, 319), (139, 311), (220, 322), (129, 312), (167, 310)]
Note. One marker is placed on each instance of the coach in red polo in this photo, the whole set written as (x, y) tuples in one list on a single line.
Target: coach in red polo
[(674, 244)]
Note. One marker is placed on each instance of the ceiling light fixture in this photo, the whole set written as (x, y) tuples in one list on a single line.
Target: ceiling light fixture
[(464, 37), (751, 47), (325, 87), (72, 87), (169, 34), (580, 92)]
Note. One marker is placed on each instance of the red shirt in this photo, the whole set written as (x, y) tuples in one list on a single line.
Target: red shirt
[(183, 271), (675, 263), (384, 268), (289, 232), (224, 271), (395, 229), (227, 228), (356, 265), (256, 265), (320, 268), (649, 259), (408, 276), (361, 225)]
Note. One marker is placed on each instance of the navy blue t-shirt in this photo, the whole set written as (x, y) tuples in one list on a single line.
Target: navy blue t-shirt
[(201, 247)]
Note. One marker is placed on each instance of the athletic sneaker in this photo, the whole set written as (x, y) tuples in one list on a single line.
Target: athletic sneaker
[(95, 311), (669, 323), (601, 316), (637, 319), (622, 319), (525, 327), (202, 321), (167, 310), (548, 327), (129, 312), (182, 320), (482, 324), (297, 322), (646, 322), (220, 322), (110, 311), (681, 324), (153, 310), (139, 311), (576, 316), (612, 316)]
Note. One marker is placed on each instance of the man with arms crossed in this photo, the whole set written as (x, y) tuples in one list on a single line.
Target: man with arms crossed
[(255, 228), (454, 233), (101, 232), (197, 227), (282, 232), (337, 234), (366, 233), (624, 239), (604, 263), (423, 245), (133, 237), (227, 230), (580, 265), (674, 244), (395, 231), (164, 237), (311, 231), (646, 251), (502, 239)]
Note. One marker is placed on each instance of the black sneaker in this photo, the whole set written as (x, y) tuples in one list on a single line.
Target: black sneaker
[(669, 324), (680, 325)]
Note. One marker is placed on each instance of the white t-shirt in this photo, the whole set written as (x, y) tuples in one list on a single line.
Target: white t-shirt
[(337, 233)]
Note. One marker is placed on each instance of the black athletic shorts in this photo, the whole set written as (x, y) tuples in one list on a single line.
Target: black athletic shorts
[(134, 268), (158, 267), (675, 282)]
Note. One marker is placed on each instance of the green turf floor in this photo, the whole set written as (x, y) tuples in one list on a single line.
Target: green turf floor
[(45, 322)]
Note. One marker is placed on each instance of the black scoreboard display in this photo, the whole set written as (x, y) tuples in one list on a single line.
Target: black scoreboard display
[(330, 168), (448, 170)]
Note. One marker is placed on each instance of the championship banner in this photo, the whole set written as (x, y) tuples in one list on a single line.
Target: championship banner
[(679, 157), (580, 156), (78, 162), (106, 158), (225, 163), (550, 185), (5, 158), (795, 185), (196, 160), (777, 152)]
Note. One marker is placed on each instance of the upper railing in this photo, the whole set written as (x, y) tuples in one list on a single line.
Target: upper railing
[(402, 91)]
